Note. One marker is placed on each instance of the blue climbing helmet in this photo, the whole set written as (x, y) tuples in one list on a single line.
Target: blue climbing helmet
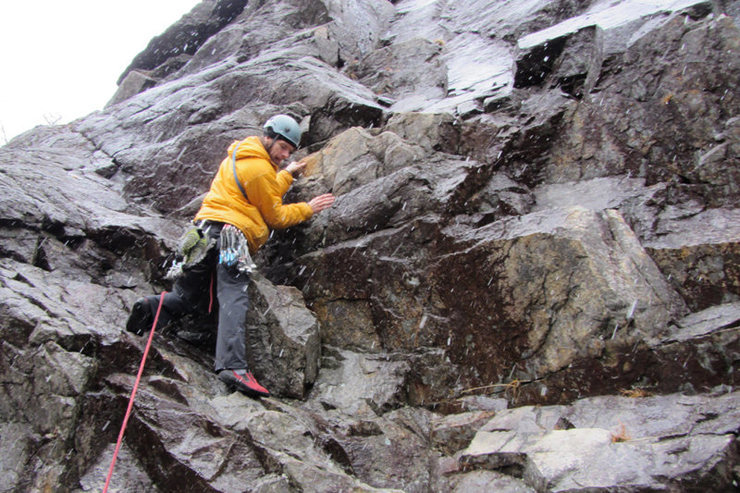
[(283, 127)]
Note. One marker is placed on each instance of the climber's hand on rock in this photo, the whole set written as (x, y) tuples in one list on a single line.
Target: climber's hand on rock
[(321, 202), (296, 168)]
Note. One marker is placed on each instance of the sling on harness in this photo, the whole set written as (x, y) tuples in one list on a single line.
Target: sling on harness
[(192, 247)]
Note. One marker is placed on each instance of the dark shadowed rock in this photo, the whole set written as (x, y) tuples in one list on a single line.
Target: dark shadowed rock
[(700, 262), (187, 35)]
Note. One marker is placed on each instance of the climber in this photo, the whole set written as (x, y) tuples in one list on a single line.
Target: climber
[(233, 222)]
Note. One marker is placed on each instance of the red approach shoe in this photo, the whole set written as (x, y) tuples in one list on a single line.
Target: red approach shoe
[(243, 381)]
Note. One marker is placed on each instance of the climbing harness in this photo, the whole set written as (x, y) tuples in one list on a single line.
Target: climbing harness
[(133, 394)]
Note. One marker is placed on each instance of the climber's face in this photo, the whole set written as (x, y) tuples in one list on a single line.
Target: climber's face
[(279, 150)]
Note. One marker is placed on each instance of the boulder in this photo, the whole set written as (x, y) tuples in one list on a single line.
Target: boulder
[(283, 339), (430, 131), (644, 442), (509, 257), (700, 262), (361, 384), (454, 432), (390, 71), (135, 82), (621, 122)]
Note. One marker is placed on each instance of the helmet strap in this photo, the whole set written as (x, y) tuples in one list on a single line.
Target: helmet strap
[(273, 137)]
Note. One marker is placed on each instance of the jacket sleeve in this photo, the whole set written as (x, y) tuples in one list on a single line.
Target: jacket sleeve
[(285, 180), (265, 192)]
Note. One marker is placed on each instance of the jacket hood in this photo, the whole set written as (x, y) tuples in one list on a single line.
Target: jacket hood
[(251, 147)]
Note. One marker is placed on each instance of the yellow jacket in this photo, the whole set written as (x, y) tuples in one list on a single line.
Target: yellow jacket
[(265, 187)]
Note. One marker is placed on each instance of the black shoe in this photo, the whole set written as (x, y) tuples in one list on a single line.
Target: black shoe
[(141, 319), (243, 381)]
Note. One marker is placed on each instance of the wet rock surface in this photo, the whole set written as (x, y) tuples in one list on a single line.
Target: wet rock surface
[(602, 441), (529, 280)]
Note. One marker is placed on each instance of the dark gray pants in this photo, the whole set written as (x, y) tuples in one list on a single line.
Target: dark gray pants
[(194, 292)]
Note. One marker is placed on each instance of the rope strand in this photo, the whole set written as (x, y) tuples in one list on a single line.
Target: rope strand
[(133, 394)]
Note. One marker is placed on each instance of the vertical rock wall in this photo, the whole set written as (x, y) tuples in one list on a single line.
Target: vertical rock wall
[(528, 281)]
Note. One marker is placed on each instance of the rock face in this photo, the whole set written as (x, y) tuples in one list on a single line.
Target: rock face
[(599, 442), (529, 280)]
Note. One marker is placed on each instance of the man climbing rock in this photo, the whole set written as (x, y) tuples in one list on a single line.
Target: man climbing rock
[(234, 221)]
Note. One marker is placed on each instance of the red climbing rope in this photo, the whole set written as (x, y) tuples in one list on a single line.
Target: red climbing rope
[(210, 294), (133, 393)]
